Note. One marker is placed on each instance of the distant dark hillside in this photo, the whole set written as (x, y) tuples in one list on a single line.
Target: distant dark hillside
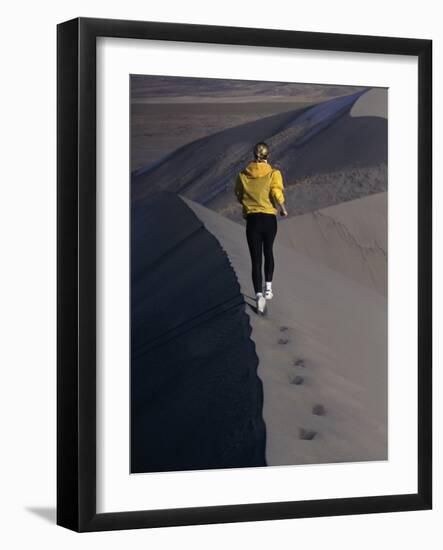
[(184, 88), (196, 400)]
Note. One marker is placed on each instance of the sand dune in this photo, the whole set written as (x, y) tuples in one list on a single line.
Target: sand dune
[(372, 103), (322, 352), (326, 156), (350, 237), (159, 128)]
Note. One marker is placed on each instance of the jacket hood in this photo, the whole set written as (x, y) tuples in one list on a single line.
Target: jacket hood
[(257, 169)]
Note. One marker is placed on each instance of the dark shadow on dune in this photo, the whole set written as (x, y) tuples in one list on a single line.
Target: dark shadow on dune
[(196, 399), (46, 513), (347, 142)]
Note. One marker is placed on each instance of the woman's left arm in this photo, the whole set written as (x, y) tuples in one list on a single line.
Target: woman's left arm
[(277, 189)]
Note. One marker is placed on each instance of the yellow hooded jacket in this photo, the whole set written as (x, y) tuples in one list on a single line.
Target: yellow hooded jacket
[(258, 187)]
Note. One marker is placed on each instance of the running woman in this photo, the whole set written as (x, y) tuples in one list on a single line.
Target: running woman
[(259, 189)]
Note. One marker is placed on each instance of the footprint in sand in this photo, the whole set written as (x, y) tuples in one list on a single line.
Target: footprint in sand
[(283, 341), (306, 434), (298, 380), (284, 329), (299, 363), (319, 410)]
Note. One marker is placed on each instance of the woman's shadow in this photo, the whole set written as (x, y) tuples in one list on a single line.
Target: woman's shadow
[(252, 305)]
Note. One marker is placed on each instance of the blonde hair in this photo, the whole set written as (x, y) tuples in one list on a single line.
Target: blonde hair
[(261, 150)]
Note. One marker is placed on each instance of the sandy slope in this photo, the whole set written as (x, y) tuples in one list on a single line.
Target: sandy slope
[(372, 103), (322, 348), (350, 237)]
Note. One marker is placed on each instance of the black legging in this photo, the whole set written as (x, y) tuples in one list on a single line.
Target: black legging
[(261, 230)]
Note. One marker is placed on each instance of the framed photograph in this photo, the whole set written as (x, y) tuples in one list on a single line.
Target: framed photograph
[(244, 274)]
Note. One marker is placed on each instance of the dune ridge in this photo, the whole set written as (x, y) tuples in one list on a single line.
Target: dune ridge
[(322, 352)]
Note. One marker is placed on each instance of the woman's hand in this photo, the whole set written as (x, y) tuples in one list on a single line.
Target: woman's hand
[(283, 211)]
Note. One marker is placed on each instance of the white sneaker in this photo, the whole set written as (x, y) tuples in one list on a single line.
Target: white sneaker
[(261, 303), (268, 294)]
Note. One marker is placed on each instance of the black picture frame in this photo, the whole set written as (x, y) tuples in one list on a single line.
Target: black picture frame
[(76, 273)]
